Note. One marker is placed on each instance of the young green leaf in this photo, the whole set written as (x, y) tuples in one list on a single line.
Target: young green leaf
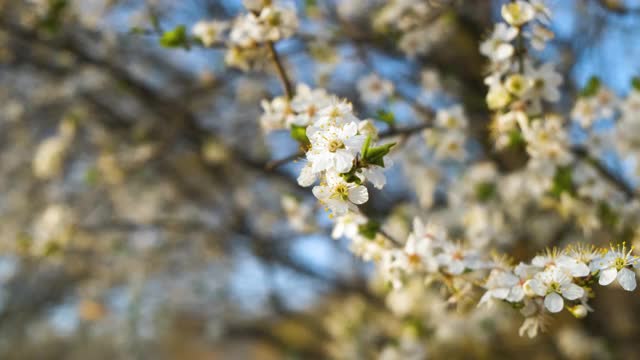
[(175, 38), (369, 230), (375, 155), (299, 134), (386, 117), (635, 83), (592, 87)]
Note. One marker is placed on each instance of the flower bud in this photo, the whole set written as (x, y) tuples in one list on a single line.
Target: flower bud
[(498, 97), (579, 311), (518, 13)]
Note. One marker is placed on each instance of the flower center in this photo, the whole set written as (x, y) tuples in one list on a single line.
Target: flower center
[(414, 259), (274, 19), (452, 122), (538, 84), (554, 287), (334, 145), (620, 263), (341, 191)]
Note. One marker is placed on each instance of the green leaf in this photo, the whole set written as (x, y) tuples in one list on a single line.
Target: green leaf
[(175, 38), (386, 117), (592, 87), (485, 191), (562, 182), (369, 230), (365, 146), (299, 133), (516, 139), (635, 83), (375, 155), (351, 177)]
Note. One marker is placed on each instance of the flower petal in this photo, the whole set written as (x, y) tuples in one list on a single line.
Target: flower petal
[(307, 176), (627, 279), (572, 291), (455, 267), (536, 286), (573, 266), (343, 160), (516, 294), (500, 293), (607, 276), (553, 302), (358, 195)]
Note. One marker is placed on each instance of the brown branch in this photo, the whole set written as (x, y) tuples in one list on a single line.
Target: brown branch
[(613, 178), (274, 164), (282, 74)]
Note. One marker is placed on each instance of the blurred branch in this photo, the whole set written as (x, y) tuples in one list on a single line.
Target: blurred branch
[(282, 74), (613, 178)]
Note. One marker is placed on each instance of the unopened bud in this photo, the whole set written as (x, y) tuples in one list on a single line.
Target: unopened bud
[(579, 311)]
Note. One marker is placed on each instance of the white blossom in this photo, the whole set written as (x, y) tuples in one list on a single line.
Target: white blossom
[(615, 265), (209, 32), (518, 13), (554, 284), (338, 195), (373, 89), (498, 46)]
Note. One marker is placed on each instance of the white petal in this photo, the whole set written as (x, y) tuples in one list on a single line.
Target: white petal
[(572, 291), (456, 267), (573, 266), (485, 298), (349, 130), (358, 195), (536, 286), (321, 192), (376, 176), (553, 302), (307, 176), (516, 294), (338, 207), (539, 261), (607, 276), (344, 161), (320, 163), (355, 142), (503, 52), (500, 293), (627, 279)]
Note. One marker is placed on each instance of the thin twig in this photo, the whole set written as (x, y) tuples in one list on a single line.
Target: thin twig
[(282, 74), (274, 164), (391, 238), (409, 130), (612, 177)]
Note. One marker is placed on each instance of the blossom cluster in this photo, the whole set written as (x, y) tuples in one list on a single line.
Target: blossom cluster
[(421, 25), (447, 137), (246, 35), (341, 157), (550, 282), (519, 93), (518, 88), (339, 147)]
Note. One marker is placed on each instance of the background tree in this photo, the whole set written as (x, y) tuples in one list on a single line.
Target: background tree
[(149, 210)]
